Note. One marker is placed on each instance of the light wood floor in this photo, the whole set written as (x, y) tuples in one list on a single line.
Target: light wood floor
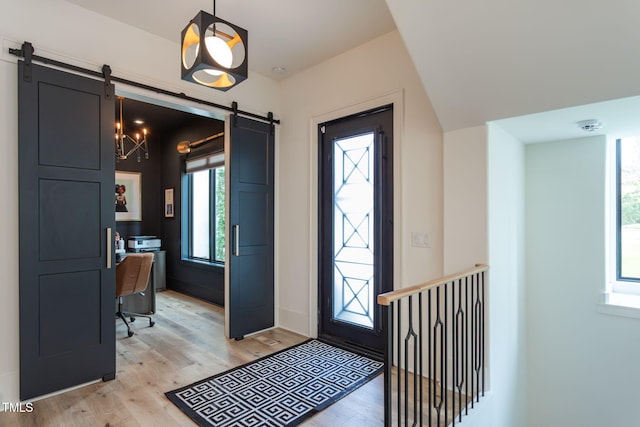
[(186, 344)]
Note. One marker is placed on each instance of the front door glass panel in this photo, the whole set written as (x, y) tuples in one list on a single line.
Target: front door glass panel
[(353, 243)]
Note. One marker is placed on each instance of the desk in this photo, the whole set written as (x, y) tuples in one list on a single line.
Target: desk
[(146, 304)]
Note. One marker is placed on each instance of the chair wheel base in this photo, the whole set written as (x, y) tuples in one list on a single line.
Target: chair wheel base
[(132, 318)]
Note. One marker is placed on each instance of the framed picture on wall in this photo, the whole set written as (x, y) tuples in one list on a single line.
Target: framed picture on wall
[(169, 206), (128, 196)]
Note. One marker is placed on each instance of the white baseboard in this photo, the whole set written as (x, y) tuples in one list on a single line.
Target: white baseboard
[(295, 322)]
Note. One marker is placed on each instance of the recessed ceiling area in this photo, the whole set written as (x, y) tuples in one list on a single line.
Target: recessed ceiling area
[(161, 122), (619, 118), (157, 119)]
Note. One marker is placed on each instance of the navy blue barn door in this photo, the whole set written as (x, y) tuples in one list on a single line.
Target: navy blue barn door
[(250, 294), (66, 202)]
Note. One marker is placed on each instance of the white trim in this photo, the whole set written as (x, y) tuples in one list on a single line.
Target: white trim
[(227, 236), (617, 304), (624, 287), (276, 227), (397, 99), (621, 297), (55, 393), (610, 212)]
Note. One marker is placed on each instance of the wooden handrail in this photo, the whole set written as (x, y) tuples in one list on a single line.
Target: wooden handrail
[(388, 297)]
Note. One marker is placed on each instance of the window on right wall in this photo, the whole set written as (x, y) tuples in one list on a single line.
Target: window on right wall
[(627, 217)]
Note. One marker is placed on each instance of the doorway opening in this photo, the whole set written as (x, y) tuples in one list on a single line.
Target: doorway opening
[(220, 236), (188, 272)]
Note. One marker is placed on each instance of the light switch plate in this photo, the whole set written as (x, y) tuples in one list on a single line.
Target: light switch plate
[(420, 240)]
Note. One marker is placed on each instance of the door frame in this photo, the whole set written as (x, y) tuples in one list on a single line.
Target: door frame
[(397, 100), (142, 95), (377, 124)]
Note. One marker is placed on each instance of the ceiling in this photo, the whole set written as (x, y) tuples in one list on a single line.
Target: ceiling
[(535, 67), (619, 118), (293, 34), (160, 121), (496, 59)]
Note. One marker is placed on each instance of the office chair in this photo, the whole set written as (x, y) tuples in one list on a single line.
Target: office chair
[(132, 276)]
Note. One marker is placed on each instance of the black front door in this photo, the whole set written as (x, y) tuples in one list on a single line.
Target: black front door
[(250, 296), (67, 283), (356, 226)]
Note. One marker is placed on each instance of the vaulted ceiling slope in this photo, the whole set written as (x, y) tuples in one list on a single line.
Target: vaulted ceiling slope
[(485, 60)]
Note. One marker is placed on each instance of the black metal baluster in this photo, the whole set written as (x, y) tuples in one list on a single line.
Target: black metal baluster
[(459, 348), (387, 316), (445, 347), (466, 345), (473, 347), (429, 353), (407, 344), (459, 318), (478, 320), (483, 330), (419, 403), (416, 378), (399, 367), (406, 372), (438, 328), (454, 352)]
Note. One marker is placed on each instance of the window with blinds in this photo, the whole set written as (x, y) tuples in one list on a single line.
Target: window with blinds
[(205, 187)]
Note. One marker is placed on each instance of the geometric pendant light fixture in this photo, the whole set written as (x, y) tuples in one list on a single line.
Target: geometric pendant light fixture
[(214, 52)]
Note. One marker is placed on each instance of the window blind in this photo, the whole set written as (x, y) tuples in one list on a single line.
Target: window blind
[(205, 162)]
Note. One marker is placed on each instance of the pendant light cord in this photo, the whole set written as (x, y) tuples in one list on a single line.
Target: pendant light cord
[(214, 15)]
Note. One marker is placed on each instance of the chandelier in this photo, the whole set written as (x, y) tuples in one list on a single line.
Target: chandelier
[(127, 145), (214, 52)]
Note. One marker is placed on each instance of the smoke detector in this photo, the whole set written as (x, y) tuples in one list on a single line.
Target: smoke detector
[(591, 125)]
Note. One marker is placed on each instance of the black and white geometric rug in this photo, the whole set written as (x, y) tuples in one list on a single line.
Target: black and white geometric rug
[(281, 389)]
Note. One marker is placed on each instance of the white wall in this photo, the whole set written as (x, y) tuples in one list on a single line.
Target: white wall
[(507, 293), (72, 34), (484, 223), (465, 199), (583, 365), (376, 71), (9, 250)]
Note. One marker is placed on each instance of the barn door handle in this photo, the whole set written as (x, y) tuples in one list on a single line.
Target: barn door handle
[(236, 240), (108, 247)]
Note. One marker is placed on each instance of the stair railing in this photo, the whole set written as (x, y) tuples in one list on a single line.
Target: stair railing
[(438, 325)]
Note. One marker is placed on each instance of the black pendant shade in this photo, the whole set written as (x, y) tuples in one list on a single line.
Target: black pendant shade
[(214, 52)]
